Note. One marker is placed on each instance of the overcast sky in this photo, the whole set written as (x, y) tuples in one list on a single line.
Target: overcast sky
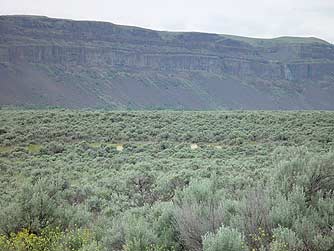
[(255, 18)]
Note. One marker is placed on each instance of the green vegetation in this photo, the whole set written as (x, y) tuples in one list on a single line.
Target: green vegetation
[(258, 181)]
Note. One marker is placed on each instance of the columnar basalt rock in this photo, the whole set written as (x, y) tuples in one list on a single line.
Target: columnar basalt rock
[(184, 70)]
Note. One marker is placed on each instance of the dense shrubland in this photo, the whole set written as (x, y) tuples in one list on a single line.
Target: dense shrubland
[(258, 181)]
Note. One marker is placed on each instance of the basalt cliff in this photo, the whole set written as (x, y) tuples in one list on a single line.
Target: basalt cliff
[(85, 64)]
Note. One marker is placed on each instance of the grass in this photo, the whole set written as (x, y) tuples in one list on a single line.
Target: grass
[(99, 144), (34, 148), (4, 149)]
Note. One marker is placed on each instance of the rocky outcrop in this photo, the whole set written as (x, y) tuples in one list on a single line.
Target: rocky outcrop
[(118, 58), (66, 47)]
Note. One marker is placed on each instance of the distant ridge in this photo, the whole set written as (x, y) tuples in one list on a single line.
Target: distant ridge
[(79, 64)]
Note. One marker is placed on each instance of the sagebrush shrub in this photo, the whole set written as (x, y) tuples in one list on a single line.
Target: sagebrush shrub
[(226, 239)]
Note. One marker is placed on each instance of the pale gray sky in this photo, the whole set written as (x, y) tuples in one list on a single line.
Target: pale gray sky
[(255, 18)]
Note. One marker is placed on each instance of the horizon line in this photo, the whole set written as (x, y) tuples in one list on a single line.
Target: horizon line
[(166, 30)]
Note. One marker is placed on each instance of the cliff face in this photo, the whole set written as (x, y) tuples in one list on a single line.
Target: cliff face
[(47, 61)]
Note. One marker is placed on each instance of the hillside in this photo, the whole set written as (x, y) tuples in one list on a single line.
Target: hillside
[(79, 64)]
